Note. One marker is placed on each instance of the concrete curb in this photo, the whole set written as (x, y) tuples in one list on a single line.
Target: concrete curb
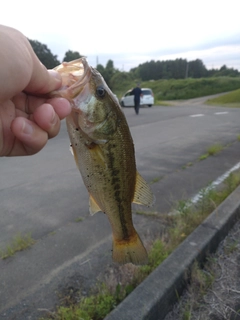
[(155, 296)]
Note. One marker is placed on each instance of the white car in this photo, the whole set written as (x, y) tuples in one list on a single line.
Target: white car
[(128, 99)]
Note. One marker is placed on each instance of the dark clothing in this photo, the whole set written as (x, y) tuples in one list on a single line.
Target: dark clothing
[(137, 92), (136, 105)]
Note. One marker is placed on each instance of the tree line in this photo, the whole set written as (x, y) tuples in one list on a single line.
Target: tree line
[(45, 55), (150, 70), (179, 69)]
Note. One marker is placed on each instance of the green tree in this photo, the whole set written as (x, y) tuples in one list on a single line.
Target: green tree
[(110, 65), (44, 54), (196, 69), (71, 55), (120, 80), (100, 68), (107, 72), (225, 71)]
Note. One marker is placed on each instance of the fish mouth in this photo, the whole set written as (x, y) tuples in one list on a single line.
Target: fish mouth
[(75, 75)]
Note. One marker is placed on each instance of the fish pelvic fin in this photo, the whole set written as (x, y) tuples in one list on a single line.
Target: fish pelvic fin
[(130, 250), (143, 194), (93, 206)]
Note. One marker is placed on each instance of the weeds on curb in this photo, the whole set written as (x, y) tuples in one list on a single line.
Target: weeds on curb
[(157, 179), (146, 213), (19, 243), (204, 156), (189, 216), (214, 149), (211, 151)]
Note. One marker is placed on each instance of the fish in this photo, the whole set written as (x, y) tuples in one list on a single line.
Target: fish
[(104, 153)]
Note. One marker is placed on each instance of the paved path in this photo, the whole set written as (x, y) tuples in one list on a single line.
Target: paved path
[(44, 195)]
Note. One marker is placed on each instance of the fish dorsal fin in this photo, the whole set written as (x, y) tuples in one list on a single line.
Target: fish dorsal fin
[(93, 206), (143, 194)]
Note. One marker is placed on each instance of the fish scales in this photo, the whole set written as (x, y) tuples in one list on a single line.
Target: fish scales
[(104, 153), (110, 182)]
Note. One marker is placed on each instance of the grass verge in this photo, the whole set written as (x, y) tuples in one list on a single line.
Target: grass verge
[(180, 89), (104, 299), (228, 100), (163, 103), (19, 243)]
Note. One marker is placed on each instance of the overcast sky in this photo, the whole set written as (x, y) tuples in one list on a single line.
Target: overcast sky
[(131, 32)]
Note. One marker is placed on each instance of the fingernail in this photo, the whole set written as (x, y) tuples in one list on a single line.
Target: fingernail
[(27, 128), (53, 118)]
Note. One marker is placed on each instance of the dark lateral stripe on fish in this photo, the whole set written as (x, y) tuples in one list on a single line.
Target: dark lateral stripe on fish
[(116, 183)]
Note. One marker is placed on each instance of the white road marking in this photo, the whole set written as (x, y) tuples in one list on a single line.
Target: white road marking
[(223, 112), (203, 191), (202, 115), (219, 180), (196, 115)]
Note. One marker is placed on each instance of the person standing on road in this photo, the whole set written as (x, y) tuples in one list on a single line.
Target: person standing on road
[(137, 92)]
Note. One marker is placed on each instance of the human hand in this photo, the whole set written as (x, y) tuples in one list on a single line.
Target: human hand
[(27, 120)]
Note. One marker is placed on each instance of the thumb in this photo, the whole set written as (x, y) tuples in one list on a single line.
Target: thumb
[(42, 80)]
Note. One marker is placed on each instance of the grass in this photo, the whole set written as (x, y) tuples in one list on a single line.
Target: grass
[(230, 247), (97, 305), (211, 151), (146, 213), (155, 180), (189, 164), (163, 103), (173, 89), (204, 156), (196, 297), (200, 281), (19, 243), (229, 99), (214, 149)]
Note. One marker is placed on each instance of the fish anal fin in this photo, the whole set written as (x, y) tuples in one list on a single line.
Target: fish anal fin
[(129, 251), (93, 206), (143, 194)]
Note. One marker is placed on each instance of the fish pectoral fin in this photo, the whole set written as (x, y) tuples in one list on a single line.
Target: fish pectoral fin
[(98, 154), (143, 194), (93, 206), (100, 141), (71, 149)]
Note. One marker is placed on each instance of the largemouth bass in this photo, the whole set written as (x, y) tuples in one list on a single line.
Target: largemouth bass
[(104, 153)]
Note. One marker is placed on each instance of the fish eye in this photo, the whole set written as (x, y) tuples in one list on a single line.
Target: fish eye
[(100, 91)]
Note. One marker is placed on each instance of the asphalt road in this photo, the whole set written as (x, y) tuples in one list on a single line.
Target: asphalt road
[(44, 195)]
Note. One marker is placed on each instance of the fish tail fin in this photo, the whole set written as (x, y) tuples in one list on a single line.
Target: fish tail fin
[(130, 250)]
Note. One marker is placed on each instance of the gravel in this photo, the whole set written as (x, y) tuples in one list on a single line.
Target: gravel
[(221, 300)]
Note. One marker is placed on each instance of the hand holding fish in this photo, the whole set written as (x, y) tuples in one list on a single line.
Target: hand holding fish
[(26, 120)]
